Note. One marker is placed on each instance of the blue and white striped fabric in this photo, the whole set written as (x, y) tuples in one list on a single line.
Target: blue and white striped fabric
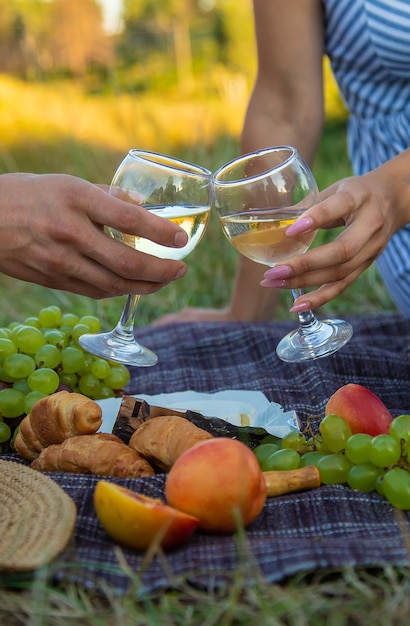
[(368, 44)]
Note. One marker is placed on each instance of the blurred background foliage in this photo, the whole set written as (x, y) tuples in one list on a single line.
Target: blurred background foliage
[(175, 77)]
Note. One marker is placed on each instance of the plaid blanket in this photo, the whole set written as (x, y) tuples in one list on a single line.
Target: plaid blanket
[(330, 527)]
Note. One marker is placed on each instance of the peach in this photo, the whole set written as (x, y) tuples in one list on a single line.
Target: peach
[(361, 409), (138, 521), (218, 481)]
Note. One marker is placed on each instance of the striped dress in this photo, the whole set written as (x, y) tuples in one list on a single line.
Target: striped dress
[(368, 44)]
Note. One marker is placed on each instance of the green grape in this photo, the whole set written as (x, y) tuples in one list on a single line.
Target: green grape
[(14, 435), (19, 365), (4, 377), (5, 432), (70, 380), (22, 385), (333, 469), (384, 450), (7, 347), (335, 432), (284, 459), (29, 339), (50, 316), (78, 330), (69, 319), (32, 321), (92, 322), (89, 385), (56, 337), (263, 452), (48, 356), (67, 332), (72, 359), (14, 327), (269, 438), (311, 458), (358, 447), (400, 429), (396, 488), (4, 333), (363, 477), (379, 484), (88, 362), (105, 392), (100, 368), (11, 402), (44, 379), (294, 440), (31, 398), (118, 377)]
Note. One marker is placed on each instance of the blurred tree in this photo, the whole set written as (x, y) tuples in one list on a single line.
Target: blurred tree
[(38, 36), (13, 35), (156, 25), (77, 40)]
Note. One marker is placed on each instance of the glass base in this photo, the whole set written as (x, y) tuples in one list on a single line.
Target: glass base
[(110, 346), (327, 337)]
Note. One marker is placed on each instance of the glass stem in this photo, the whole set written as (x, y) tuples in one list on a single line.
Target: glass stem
[(125, 327), (308, 321)]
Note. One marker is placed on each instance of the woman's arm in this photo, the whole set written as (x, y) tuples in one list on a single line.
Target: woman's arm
[(286, 107)]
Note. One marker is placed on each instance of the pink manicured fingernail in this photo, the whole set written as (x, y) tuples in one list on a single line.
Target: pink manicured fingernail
[(300, 226), (301, 306), (276, 284), (279, 271)]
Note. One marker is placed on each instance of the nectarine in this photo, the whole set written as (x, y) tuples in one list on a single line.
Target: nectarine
[(361, 409), (218, 481), (136, 521)]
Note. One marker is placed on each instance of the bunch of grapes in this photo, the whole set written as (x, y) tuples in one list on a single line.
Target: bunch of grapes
[(41, 356), (380, 463)]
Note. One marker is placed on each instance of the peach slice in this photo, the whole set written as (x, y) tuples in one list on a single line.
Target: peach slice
[(218, 481), (138, 521)]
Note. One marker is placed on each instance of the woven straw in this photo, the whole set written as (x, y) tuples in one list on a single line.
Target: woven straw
[(37, 518)]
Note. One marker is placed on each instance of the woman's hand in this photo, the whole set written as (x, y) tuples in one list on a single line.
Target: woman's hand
[(372, 208)]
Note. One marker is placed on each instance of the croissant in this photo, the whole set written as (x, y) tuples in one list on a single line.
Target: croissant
[(161, 440), (55, 418), (99, 453)]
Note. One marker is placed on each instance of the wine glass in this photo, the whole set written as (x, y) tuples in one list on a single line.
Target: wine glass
[(257, 197), (175, 190)]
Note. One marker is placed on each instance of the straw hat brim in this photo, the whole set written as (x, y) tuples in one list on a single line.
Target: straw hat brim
[(37, 518)]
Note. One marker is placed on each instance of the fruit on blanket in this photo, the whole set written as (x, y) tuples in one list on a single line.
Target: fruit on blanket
[(218, 481), (42, 355), (361, 409), (137, 521)]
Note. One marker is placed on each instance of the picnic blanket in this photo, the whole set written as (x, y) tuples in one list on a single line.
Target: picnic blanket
[(330, 527)]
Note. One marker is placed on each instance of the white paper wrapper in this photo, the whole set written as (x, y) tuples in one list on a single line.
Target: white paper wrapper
[(237, 406)]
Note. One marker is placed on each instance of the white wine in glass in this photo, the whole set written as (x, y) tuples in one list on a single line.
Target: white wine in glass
[(257, 197), (175, 190)]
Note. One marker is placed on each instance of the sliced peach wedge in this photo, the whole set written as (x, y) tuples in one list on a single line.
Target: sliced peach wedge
[(137, 521)]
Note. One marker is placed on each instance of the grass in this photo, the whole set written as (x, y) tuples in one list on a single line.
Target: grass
[(46, 129), (348, 598)]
